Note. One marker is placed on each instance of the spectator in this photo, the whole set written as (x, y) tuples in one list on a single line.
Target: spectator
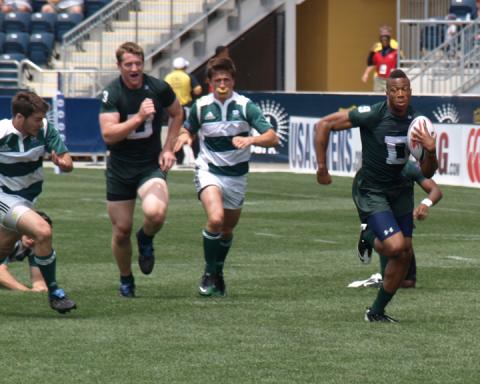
[(16, 6), (63, 6), (185, 87), (382, 59)]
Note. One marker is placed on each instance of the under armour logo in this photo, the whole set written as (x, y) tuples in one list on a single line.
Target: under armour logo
[(387, 231)]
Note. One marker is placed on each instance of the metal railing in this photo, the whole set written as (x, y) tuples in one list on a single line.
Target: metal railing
[(440, 56)]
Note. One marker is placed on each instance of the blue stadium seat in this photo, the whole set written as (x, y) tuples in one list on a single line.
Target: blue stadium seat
[(65, 22), (43, 22), (463, 9), (2, 40), (38, 4), (93, 6), (16, 43), (12, 56), (2, 16), (41, 47), (16, 22)]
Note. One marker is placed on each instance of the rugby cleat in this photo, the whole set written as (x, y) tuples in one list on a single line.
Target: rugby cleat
[(364, 251), (211, 285), (60, 302), (127, 290), (378, 317), (146, 257)]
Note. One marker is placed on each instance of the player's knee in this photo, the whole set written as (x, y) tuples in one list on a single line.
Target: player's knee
[(121, 233), (394, 249), (43, 234), (155, 217), (215, 223)]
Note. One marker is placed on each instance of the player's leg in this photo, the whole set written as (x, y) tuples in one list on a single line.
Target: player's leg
[(154, 196), (212, 200), (31, 224), (121, 217), (411, 278)]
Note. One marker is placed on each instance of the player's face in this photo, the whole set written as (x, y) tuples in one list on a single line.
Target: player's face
[(399, 94), (131, 70), (31, 125), (222, 83)]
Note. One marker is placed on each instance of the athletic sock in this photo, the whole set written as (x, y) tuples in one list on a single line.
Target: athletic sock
[(211, 249), (143, 237), (369, 236), (225, 245), (47, 265), (383, 298), (127, 279), (383, 264)]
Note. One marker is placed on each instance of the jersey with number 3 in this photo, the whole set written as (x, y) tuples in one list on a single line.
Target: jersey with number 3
[(384, 143), (142, 146)]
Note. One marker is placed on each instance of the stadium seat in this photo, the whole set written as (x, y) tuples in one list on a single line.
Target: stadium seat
[(43, 22), (65, 22), (38, 4), (9, 78), (463, 9), (93, 6), (16, 43), (2, 40), (16, 22), (41, 47), (2, 16)]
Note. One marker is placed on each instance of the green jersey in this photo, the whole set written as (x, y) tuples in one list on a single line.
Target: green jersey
[(384, 143), (21, 158), (142, 147)]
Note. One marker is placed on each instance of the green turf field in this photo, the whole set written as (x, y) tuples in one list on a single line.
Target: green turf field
[(288, 316)]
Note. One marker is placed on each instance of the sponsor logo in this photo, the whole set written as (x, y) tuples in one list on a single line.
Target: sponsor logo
[(473, 155), (276, 115), (209, 116), (364, 108), (446, 113)]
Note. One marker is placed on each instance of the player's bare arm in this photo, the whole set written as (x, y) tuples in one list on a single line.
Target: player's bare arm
[(175, 121), (266, 139), (184, 137), (336, 121), (63, 161), (114, 131), (434, 196)]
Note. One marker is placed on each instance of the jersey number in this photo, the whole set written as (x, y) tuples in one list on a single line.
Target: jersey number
[(143, 131), (396, 149)]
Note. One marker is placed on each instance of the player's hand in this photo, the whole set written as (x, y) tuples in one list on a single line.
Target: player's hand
[(424, 137), (147, 109), (183, 138), (242, 142), (421, 212), (38, 288), (323, 177), (63, 161), (167, 159)]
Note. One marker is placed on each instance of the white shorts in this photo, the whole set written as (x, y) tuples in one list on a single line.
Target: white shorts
[(11, 209), (233, 187)]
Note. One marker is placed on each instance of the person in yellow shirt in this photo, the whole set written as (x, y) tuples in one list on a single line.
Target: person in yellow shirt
[(186, 87)]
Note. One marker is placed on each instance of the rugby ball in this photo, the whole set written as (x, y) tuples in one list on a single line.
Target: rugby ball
[(419, 123)]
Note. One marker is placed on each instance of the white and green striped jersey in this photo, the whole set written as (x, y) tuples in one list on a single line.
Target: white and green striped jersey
[(216, 124), (21, 158)]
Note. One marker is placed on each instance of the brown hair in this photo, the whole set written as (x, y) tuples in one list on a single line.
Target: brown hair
[(129, 47), (220, 64), (27, 103)]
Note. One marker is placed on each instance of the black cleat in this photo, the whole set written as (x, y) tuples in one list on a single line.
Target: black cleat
[(378, 317), (364, 251), (60, 302), (210, 285), (127, 290), (146, 257)]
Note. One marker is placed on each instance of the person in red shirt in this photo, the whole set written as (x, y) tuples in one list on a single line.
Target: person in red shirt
[(383, 60)]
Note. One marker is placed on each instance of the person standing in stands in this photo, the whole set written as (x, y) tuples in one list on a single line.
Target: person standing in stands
[(382, 59), (131, 123), (16, 6), (185, 87)]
